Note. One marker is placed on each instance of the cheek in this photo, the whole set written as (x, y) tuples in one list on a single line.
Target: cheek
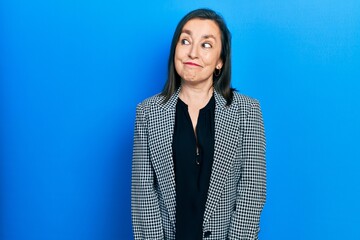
[(207, 56), (178, 66), (178, 59), (179, 53), (210, 59)]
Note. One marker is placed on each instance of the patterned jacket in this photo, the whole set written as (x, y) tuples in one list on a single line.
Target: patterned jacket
[(237, 189)]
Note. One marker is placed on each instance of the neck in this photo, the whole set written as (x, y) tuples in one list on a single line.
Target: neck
[(196, 95)]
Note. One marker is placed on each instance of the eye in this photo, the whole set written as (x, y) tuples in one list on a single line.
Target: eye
[(185, 42), (206, 45)]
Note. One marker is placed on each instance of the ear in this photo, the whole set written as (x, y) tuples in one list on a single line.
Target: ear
[(219, 64)]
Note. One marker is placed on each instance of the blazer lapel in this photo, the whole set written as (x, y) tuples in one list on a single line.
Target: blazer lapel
[(226, 135), (161, 127)]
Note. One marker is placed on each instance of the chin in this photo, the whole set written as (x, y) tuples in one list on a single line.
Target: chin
[(190, 78)]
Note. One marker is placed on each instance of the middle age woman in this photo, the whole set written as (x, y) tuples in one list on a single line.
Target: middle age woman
[(199, 146)]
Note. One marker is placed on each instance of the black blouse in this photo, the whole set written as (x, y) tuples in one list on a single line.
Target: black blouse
[(193, 158)]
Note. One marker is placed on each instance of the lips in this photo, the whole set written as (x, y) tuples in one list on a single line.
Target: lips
[(192, 64)]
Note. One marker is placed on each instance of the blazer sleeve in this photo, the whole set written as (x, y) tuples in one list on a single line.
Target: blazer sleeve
[(145, 210), (251, 188)]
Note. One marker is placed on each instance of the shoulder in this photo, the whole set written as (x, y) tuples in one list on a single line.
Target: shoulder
[(151, 106), (150, 102), (242, 100), (246, 105), (248, 111)]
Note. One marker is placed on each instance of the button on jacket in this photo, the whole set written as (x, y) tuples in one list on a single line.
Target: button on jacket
[(237, 189)]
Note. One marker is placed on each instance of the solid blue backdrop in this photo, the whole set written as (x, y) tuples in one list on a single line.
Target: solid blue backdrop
[(72, 73)]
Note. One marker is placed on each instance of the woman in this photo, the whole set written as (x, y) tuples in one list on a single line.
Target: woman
[(198, 166)]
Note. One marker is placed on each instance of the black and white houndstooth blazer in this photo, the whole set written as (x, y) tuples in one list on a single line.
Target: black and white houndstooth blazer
[(237, 190)]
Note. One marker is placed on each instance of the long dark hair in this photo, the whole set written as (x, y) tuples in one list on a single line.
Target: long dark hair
[(221, 81)]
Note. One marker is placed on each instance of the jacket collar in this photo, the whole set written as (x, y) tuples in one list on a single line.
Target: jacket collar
[(171, 103)]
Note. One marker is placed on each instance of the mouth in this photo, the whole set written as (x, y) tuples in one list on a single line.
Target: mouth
[(192, 64)]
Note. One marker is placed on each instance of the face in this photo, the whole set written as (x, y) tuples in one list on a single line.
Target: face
[(198, 50)]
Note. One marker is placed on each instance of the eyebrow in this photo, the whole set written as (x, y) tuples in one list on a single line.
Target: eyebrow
[(206, 36)]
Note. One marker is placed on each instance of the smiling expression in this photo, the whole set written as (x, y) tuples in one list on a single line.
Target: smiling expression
[(198, 50)]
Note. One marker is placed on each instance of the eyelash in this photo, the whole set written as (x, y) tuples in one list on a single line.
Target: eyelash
[(204, 45), (185, 42)]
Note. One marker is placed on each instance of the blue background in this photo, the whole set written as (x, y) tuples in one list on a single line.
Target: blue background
[(72, 73)]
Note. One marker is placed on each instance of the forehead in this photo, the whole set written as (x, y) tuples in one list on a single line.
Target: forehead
[(202, 27)]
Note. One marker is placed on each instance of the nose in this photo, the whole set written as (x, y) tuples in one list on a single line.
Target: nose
[(193, 52)]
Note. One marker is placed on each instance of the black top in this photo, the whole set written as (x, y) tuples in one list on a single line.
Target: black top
[(193, 158)]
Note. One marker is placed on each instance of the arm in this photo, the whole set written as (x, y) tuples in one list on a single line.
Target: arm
[(251, 188), (146, 218)]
